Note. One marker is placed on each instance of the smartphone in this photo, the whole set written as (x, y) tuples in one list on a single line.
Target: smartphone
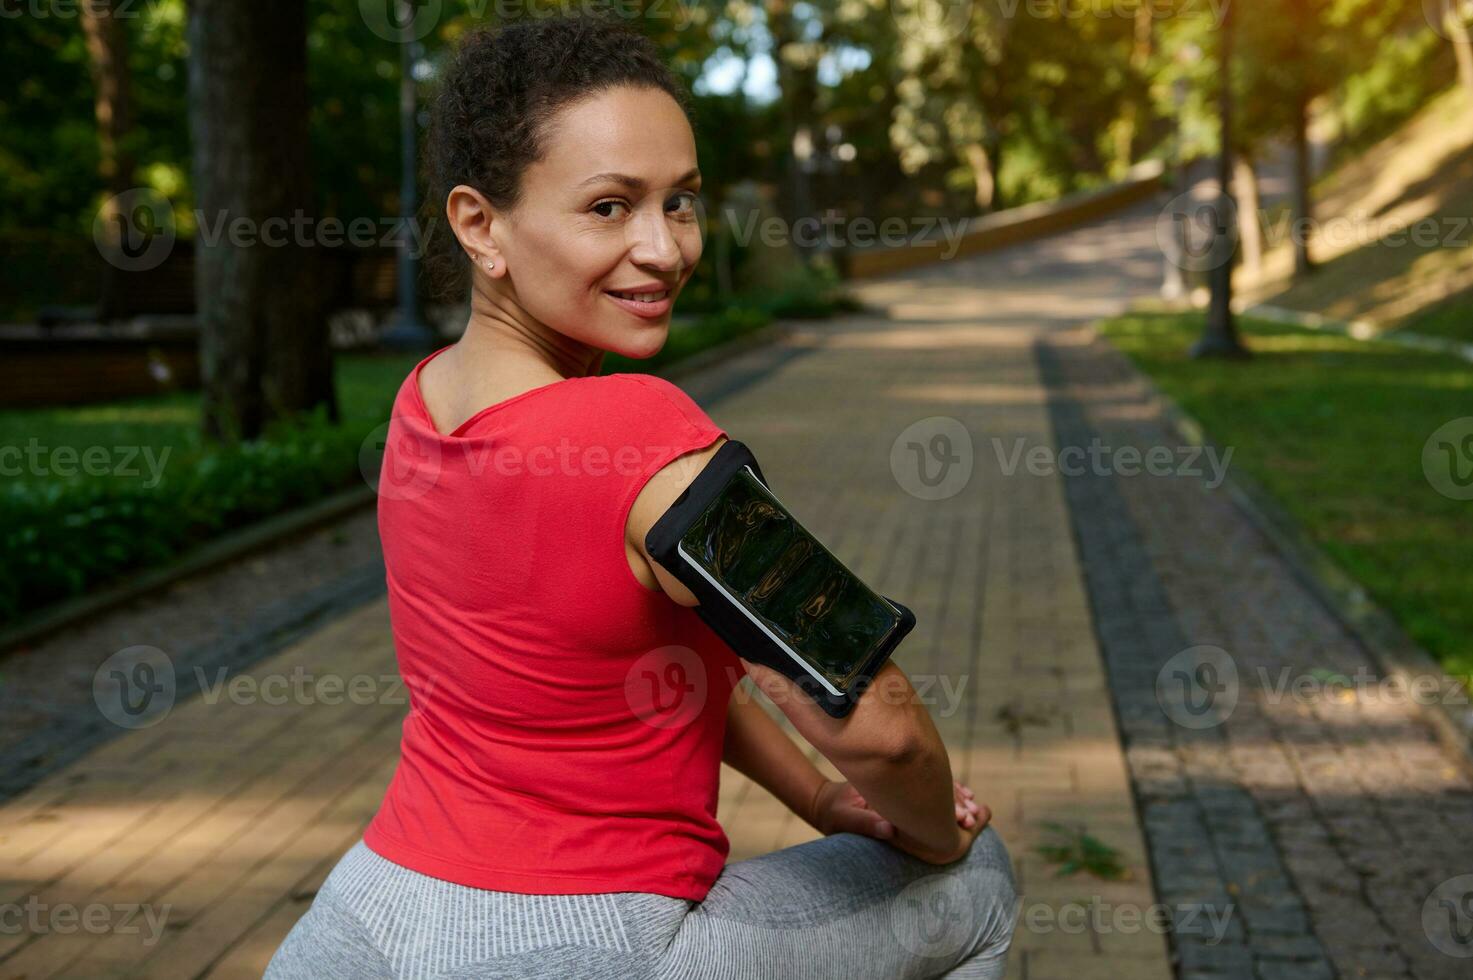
[(811, 607)]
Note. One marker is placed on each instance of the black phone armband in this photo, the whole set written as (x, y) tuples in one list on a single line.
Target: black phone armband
[(769, 589)]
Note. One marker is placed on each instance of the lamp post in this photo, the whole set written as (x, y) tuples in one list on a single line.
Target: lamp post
[(407, 331)]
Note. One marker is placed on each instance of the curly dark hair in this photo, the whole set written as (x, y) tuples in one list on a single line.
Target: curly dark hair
[(504, 84)]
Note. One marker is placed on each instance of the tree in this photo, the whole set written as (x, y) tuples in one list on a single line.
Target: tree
[(107, 52), (1220, 335), (264, 351), (112, 107), (1456, 30)]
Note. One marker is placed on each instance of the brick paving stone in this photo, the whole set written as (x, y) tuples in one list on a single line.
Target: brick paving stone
[(229, 616), (1329, 818)]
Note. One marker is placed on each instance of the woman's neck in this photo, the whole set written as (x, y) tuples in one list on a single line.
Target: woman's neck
[(499, 329)]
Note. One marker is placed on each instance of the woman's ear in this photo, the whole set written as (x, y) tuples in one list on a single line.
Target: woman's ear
[(471, 219)]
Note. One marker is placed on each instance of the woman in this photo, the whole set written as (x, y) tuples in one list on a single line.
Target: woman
[(553, 812)]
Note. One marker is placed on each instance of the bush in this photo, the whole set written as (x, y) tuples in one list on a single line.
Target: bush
[(62, 537)]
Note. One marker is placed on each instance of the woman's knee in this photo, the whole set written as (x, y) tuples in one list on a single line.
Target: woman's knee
[(987, 871), (989, 857), (964, 912)]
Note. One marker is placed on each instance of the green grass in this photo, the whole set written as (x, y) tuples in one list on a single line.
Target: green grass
[(106, 490), (1452, 320), (1334, 429)]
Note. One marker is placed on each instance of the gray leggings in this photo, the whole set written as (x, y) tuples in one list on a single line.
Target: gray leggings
[(844, 907)]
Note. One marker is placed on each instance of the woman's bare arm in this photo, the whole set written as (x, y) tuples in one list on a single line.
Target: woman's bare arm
[(758, 748), (887, 747)]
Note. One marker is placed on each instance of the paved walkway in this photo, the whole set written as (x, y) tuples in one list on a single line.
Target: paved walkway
[(1032, 589)]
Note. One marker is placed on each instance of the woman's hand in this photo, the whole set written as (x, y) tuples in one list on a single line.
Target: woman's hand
[(971, 818), (838, 808), (968, 810)]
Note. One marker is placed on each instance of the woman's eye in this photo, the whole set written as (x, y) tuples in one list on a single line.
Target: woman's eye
[(684, 205), (602, 206)]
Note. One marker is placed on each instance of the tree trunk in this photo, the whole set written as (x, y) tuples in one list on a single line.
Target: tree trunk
[(112, 106), (1140, 62), (1220, 334), (1250, 231), (264, 346), (1302, 216), (986, 182), (1457, 33)]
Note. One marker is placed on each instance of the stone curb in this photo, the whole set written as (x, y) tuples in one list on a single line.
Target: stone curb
[(1399, 657), (211, 555), (1012, 226), (1358, 330)]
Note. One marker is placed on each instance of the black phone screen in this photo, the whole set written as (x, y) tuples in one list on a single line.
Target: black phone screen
[(804, 598)]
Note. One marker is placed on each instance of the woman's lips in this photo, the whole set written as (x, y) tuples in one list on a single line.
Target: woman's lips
[(640, 308)]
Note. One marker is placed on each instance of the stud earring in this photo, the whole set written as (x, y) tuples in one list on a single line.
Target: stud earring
[(490, 263)]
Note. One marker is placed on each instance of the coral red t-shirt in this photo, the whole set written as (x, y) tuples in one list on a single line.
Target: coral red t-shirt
[(566, 723)]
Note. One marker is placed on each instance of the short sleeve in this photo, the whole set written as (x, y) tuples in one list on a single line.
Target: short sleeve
[(645, 422)]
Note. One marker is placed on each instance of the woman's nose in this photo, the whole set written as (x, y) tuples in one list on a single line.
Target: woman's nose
[(652, 242)]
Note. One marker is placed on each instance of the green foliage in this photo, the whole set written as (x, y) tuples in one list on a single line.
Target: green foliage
[(63, 533), (1407, 71), (1074, 849), (62, 536), (687, 338), (1042, 98), (808, 293)]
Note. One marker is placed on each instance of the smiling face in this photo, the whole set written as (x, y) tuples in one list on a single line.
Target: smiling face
[(607, 230)]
